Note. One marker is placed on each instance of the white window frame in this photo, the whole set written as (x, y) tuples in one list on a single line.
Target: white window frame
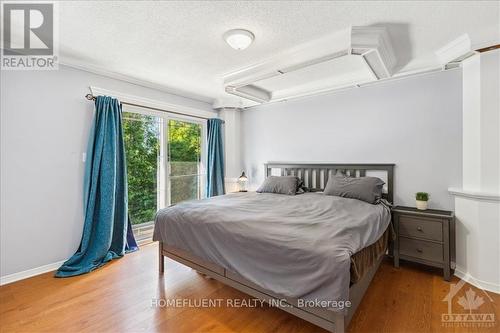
[(203, 158), (164, 197)]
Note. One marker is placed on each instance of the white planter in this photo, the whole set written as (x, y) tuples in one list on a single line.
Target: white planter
[(422, 205)]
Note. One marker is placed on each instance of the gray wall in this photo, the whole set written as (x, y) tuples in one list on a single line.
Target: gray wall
[(45, 121), (414, 122)]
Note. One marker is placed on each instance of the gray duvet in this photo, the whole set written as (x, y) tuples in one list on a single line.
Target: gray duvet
[(294, 246)]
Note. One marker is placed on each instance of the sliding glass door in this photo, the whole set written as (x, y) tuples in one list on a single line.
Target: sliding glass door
[(165, 164), (184, 157)]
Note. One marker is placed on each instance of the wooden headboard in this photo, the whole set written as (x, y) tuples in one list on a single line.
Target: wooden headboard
[(315, 176)]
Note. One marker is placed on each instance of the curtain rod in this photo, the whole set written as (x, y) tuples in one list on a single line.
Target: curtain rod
[(488, 48), (91, 97)]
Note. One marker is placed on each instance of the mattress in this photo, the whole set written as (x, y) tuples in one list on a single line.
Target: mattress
[(294, 246)]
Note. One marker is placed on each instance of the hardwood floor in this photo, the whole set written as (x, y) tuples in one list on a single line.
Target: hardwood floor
[(120, 297)]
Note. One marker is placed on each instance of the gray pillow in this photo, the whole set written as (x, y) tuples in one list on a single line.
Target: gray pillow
[(367, 189), (279, 184)]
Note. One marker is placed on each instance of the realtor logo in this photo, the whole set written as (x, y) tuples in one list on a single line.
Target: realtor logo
[(470, 314), (29, 35)]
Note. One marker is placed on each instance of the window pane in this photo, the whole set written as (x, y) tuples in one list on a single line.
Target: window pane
[(184, 188), (183, 168), (142, 148), (184, 143)]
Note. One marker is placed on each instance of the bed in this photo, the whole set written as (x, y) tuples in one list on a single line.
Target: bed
[(310, 254)]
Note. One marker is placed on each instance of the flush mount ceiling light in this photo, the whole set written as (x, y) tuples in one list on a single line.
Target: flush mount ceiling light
[(239, 39)]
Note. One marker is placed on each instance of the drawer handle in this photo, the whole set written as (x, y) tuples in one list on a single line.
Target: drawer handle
[(419, 250), (419, 229)]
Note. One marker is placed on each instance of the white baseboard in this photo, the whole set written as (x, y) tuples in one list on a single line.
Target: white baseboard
[(488, 286), (30, 272)]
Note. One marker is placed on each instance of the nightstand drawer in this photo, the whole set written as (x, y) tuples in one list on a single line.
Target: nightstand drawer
[(421, 228), (421, 249)]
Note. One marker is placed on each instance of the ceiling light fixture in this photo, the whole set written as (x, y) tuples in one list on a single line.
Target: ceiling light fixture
[(239, 39)]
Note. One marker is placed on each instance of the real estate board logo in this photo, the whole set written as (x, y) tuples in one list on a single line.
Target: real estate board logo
[(468, 313), (29, 37)]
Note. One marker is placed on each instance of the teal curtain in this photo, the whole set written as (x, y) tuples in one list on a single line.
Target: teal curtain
[(215, 160), (106, 224)]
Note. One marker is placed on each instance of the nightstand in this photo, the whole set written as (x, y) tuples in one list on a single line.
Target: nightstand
[(426, 237)]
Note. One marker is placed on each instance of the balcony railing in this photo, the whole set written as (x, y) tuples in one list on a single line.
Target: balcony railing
[(143, 232)]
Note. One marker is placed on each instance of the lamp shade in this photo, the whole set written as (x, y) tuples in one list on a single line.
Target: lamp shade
[(242, 182)]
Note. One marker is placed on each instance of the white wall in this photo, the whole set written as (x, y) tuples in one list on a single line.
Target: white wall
[(477, 202), (490, 121), (232, 145), (415, 123), (45, 121), (471, 139)]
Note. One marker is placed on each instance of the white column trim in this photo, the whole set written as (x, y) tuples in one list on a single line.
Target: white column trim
[(477, 195)]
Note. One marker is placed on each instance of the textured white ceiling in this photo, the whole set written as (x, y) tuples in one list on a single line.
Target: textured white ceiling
[(178, 44)]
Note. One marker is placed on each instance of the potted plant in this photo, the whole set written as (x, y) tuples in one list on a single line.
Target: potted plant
[(422, 198)]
